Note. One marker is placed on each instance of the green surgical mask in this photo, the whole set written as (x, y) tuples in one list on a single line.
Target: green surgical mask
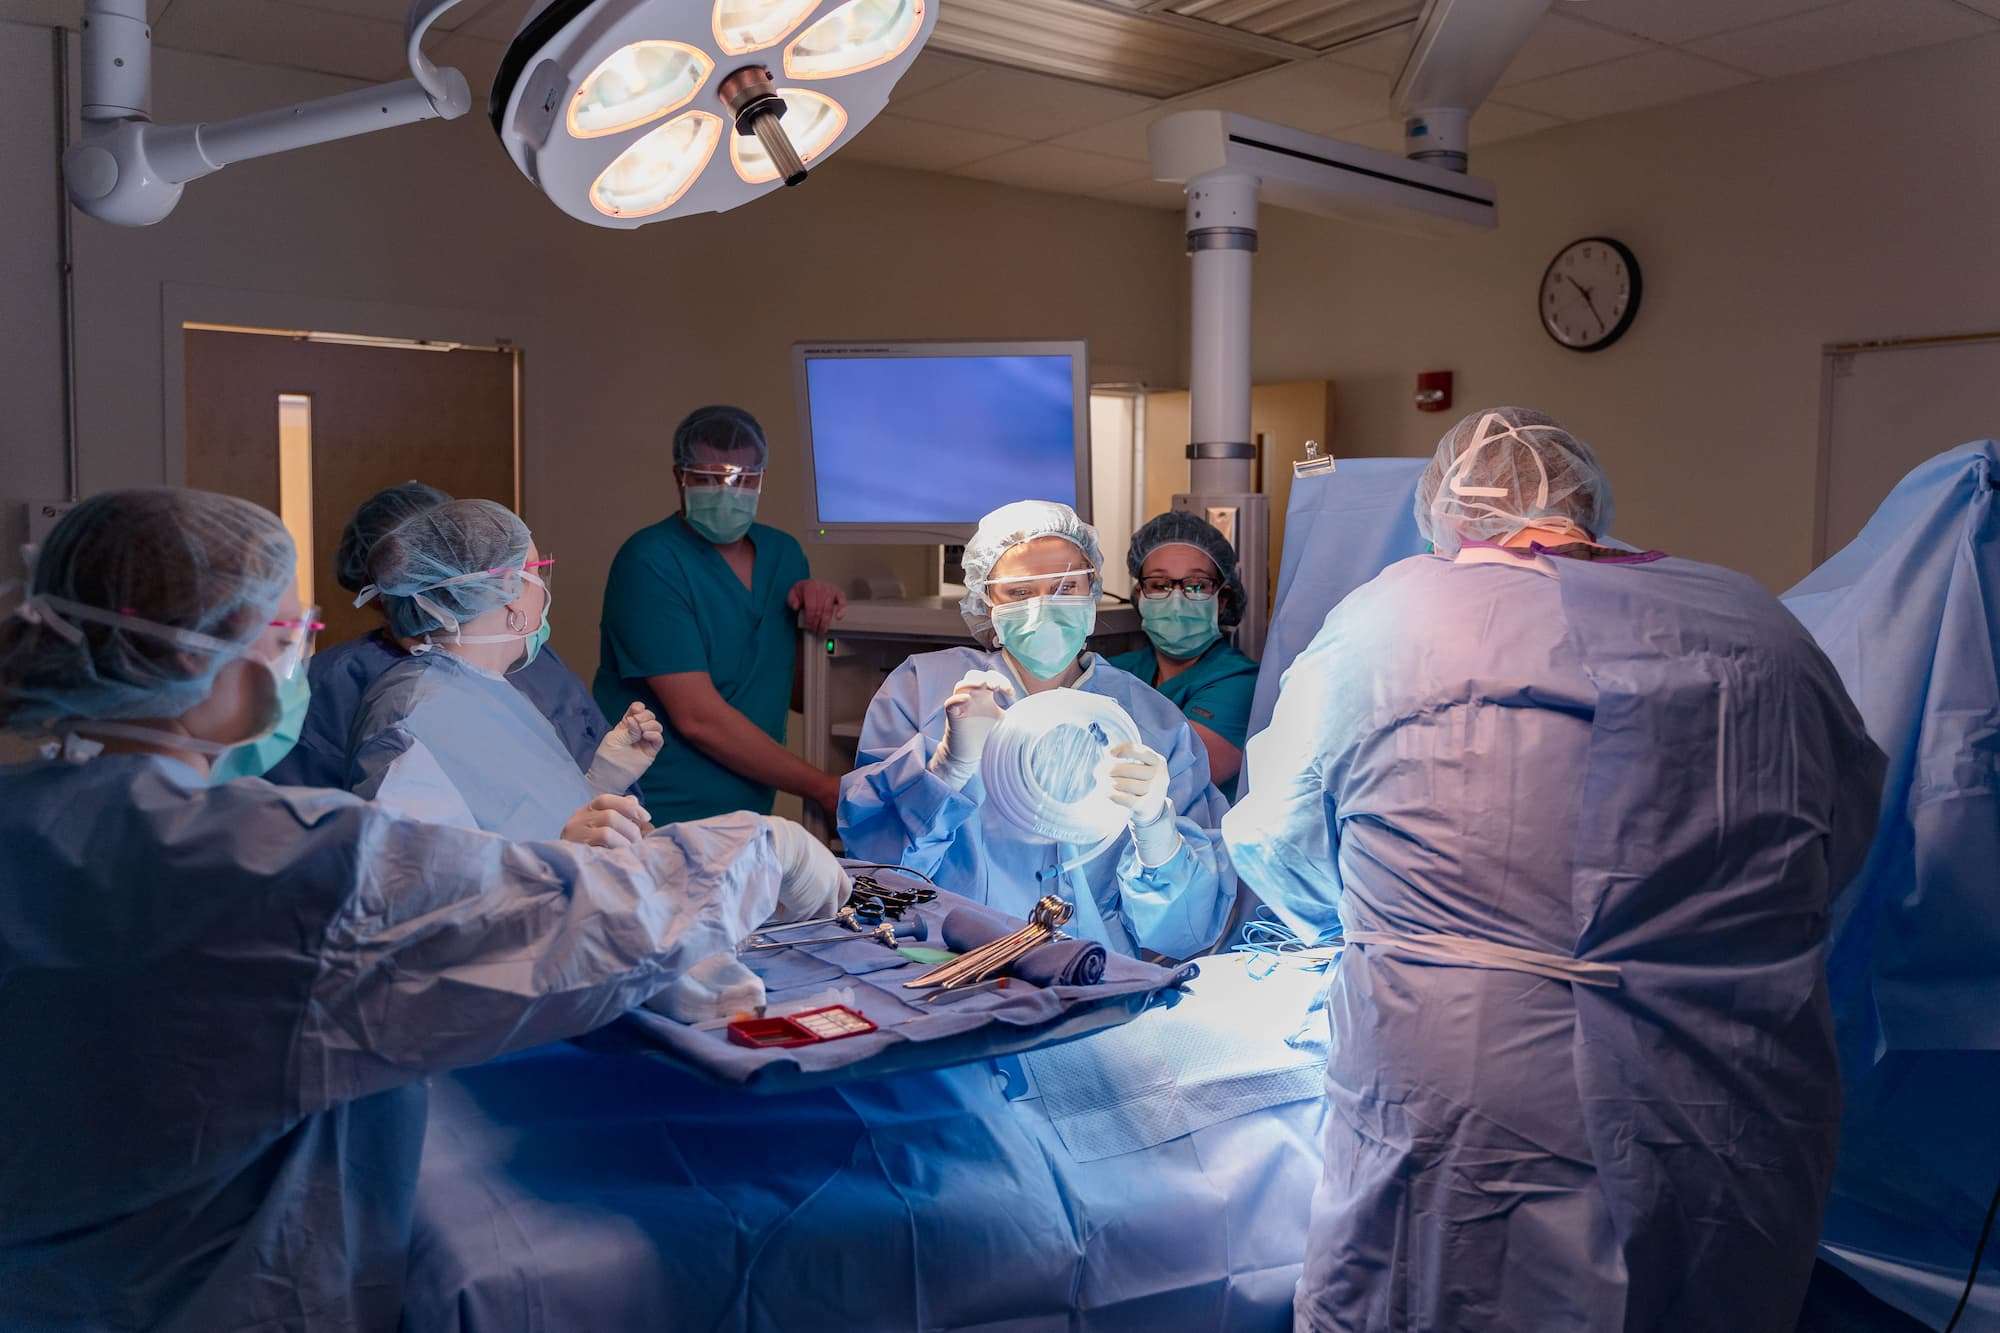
[(253, 759), (535, 642), (1180, 626), (720, 513), (1045, 634)]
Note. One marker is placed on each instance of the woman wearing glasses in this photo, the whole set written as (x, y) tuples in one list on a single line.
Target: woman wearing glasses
[(1189, 593), (916, 797), (442, 735)]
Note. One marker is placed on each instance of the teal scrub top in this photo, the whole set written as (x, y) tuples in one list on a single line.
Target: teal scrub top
[(673, 604), (1215, 691)]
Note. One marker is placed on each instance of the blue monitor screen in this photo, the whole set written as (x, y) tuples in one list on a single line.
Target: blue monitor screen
[(940, 439)]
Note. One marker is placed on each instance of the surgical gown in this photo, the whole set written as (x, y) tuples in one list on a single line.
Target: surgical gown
[(439, 739), (1582, 825), (341, 674), (218, 1006), (894, 809)]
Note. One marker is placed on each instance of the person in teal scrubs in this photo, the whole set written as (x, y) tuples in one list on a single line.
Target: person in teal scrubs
[(702, 613), (1188, 592)]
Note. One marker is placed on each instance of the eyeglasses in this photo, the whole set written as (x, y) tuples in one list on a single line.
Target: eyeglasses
[(1196, 587), (1020, 587), (300, 646)]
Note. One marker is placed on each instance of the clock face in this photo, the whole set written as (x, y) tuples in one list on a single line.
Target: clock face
[(1590, 294)]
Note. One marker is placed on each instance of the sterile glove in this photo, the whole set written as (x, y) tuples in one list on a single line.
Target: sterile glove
[(718, 987), (626, 751), (812, 883), (1139, 783), (608, 821), (970, 715)]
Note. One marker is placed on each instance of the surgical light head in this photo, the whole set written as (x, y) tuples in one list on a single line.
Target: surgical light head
[(1505, 469), (619, 109)]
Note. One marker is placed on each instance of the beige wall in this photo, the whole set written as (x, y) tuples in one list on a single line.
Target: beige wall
[(431, 230), (1856, 203)]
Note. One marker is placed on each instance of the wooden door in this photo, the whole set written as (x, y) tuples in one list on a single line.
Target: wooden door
[(379, 416)]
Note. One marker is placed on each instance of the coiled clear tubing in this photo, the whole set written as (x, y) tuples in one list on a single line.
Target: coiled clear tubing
[(1047, 766)]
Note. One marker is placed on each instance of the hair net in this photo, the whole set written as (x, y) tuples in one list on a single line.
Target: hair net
[(1505, 469), (1177, 528), (719, 429), (379, 513), (444, 566), (1000, 532), (136, 601)]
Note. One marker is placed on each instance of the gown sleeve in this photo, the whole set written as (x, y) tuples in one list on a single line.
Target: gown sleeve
[(1180, 908), (893, 809)]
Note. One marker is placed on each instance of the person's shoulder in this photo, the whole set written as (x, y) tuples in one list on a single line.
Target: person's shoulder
[(666, 540), (1136, 662), (778, 542), (1230, 662)]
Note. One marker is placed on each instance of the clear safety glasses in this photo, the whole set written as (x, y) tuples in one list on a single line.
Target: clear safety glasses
[(1021, 587), (724, 474)]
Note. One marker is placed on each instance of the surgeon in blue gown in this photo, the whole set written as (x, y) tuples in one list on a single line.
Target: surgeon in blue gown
[(341, 673), (219, 1003), (915, 797), (441, 735), (1582, 815)]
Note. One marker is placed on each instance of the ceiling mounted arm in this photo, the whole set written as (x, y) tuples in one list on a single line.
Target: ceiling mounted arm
[(128, 170)]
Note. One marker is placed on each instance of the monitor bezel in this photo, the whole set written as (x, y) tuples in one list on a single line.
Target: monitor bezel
[(934, 534)]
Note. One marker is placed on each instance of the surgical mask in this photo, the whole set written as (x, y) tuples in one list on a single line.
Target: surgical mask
[(255, 758), (1179, 625), (722, 514), (1045, 634), (535, 641)]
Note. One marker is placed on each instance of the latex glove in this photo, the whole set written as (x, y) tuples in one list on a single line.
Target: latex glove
[(812, 883), (818, 604), (608, 821), (718, 987), (970, 715), (626, 751), (1139, 783)]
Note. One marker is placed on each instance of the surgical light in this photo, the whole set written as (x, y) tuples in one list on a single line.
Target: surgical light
[(616, 109), (859, 35), (743, 26), (636, 86), (655, 172), (812, 121)]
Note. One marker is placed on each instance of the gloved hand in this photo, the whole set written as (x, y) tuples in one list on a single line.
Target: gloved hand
[(1139, 783), (813, 884), (608, 821), (718, 987), (970, 715), (626, 751)]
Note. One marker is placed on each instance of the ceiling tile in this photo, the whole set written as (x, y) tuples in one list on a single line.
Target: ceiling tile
[(271, 33), (1043, 166), (1125, 138), (390, 11), (1315, 23), (1077, 39), (1559, 44), (63, 13), (1659, 76), (1834, 36), (893, 141), (1983, 6), (1017, 103), (475, 57), (1495, 121), (1382, 53), (932, 69), (495, 20), (1683, 20), (1317, 96)]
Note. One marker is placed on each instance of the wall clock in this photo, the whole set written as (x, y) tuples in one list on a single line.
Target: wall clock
[(1589, 294)]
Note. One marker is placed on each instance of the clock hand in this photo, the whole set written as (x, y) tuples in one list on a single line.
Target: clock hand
[(1587, 301)]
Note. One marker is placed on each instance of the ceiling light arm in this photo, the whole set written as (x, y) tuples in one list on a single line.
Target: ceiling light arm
[(128, 170)]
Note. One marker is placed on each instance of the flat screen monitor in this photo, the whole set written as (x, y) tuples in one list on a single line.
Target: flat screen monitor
[(915, 442)]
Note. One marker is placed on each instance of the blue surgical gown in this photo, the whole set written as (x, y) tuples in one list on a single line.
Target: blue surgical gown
[(894, 809), (218, 1006), (1646, 767), (341, 673), (437, 738)]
